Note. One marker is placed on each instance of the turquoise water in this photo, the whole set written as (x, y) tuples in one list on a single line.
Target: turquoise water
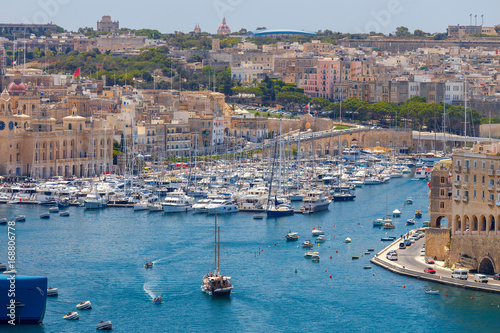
[(99, 256)]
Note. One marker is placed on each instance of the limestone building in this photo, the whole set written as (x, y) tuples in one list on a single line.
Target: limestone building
[(107, 25), (472, 209)]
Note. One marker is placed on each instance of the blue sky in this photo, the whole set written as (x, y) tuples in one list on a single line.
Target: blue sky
[(168, 16)]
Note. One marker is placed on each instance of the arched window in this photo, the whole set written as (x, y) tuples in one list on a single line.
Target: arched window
[(69, 126)]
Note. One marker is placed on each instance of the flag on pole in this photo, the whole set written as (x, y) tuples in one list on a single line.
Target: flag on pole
[(76, 73), (307, 107), (14, 63)]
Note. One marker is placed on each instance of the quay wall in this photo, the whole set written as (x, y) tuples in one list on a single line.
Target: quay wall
[(484, 248), (437, 243)]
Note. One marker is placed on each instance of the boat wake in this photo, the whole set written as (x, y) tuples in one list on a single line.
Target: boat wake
[(147, 289)]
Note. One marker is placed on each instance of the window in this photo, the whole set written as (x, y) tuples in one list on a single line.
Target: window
[(442, 180), (474, 194), (466, 178), (474, 179), (441, 205), (483, 195), (484, 164), (458, 178), (483, 180), (442, 191), (466, 194), (475, 164)]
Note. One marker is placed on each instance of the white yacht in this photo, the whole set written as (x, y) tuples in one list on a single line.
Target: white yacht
[(222, 206), (254, 199), (155, 207), (177, 204), (94, 201), (141, 205), (201, 206), (315, 201)]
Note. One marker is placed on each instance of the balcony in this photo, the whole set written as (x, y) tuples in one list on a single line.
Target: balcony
[(465, 169), (498, 202), (465, 199), (491, 202), (491, 187), (456, 183), (457, 168), (456, 197), (491, 172)]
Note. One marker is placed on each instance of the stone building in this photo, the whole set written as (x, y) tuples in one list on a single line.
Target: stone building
[(472, 208), (107, 25)]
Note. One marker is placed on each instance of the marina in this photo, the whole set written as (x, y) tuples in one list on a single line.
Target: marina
[(271, 278)]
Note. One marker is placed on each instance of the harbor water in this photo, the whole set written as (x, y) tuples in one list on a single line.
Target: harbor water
[(99, 256)]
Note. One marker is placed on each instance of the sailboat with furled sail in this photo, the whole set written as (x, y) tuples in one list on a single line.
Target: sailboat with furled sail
[(216, 284)]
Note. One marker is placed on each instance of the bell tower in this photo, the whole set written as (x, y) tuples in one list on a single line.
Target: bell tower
[(80, 102)]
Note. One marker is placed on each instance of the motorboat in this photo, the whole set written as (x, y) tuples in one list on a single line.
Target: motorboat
[(321, 239), (389, 225), (45, 216), (258, 216), (64, 213), (141, 205), (54, 209), (71, 315), (343, 196), (409, 201), (20, 218), (410, 221), (104, 325), (158, 300), (317, 232), (355, 257), (10, 272), (221, 206), (292, 236), (52, 292), (63, 203), (316, 201), (280, 210), (315, 257), (307, 243), (432, 292), (418, 214), (3, 267), (396, 213), (176, 204), (94, 201), (148, 264), (86, 305), (201, 206), (347, 240), (378, 223), (425, 224), (3, 220), (388, 239), (309, 254), (155, 207)]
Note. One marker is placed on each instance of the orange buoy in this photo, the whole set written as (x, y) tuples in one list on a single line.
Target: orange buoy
[(373, 274), (337, 251), (274, 244), (404, 286), (262, 250), (325, 270), (472, 297), (328, 247), (330, 257), (334, 225), (330, 276), (358, 223)]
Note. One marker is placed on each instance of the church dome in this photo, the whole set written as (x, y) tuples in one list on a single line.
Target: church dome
[(16, 87), (223, 28)]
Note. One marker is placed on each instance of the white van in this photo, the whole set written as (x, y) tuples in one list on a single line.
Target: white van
[(480, 278), (392, 256), (460, 274)]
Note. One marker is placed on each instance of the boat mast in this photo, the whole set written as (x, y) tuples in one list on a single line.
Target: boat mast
[(218, 250), (215, 244)]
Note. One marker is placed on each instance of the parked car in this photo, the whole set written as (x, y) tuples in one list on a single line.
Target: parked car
[(402, 245), (429, 270), (480, 278), (392, 256), (422, 252), (429, 261), (496, 276)]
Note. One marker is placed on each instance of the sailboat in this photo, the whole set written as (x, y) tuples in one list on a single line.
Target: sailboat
[(216, 284)]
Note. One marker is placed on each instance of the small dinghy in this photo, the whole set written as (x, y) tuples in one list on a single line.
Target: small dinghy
[(45, 216), (315, 257), (347, 240), (317, 232), (371, 250), (20, 218), (307, 243), (258, 216), (355, 257), (3, 220), (158, 300), (148, 264), (3, 267), (64, 213), (396, 213), (71, 316), (432, 292), (367, 267), (321, 239), (12, 272), (84, 305), (52, 292), (104, 325), (410, 221), (54, 209)]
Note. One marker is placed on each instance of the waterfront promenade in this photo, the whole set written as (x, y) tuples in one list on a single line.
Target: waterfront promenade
[(411, 263)]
